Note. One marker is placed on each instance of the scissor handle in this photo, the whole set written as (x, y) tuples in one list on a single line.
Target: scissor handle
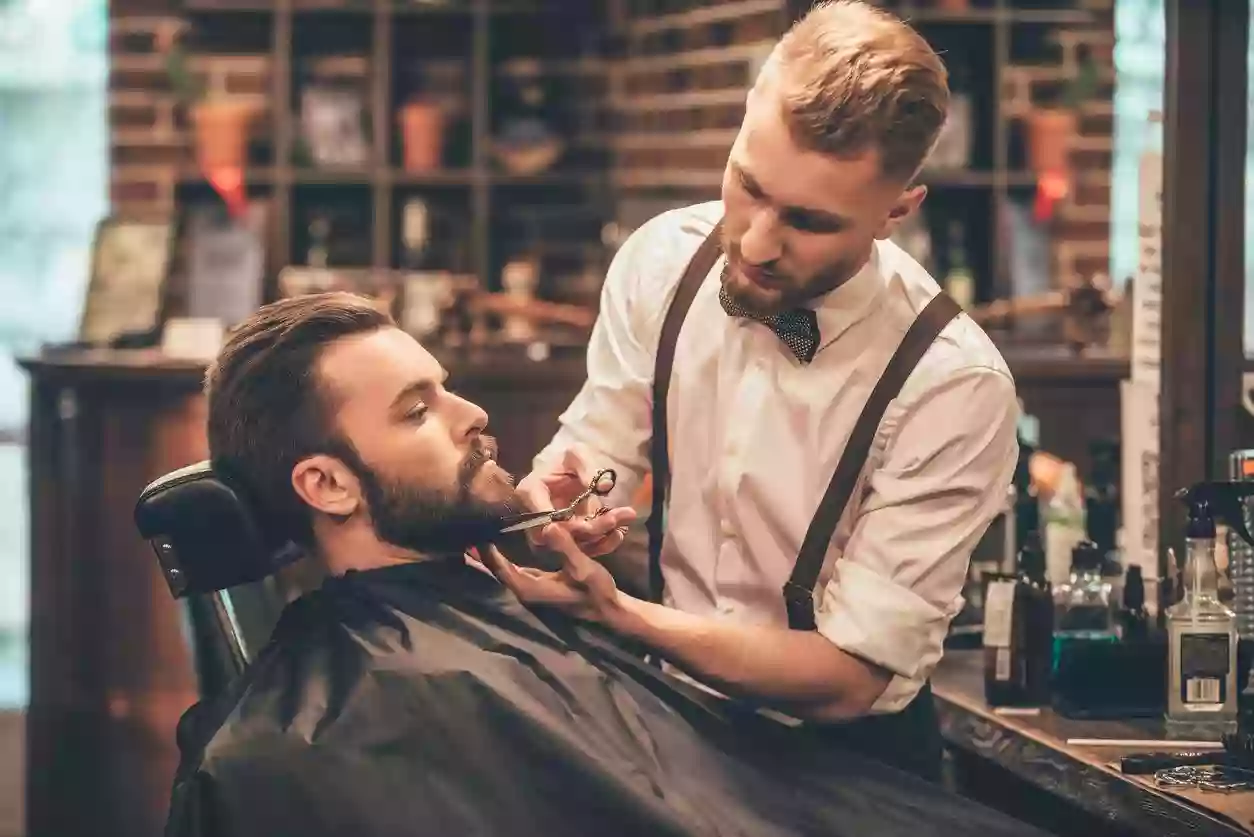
[(602, 483)]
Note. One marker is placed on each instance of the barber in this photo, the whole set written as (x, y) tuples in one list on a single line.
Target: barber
[(818, 531)]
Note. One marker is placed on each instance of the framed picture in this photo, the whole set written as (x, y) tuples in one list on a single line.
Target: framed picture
[(226, 262), (130, 265), (333, 121)]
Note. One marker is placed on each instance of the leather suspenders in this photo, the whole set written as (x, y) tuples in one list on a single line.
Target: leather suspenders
[(798, 592), (698, 268)]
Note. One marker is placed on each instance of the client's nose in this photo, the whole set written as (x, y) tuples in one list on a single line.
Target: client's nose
[(471, 419)]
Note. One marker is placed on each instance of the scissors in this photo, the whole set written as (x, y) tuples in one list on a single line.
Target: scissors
[(602, 483)]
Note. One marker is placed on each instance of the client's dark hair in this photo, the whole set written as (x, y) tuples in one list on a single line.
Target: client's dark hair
[(267, 410)]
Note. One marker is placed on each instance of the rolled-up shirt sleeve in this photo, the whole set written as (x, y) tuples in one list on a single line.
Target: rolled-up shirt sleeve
[(944, 474)]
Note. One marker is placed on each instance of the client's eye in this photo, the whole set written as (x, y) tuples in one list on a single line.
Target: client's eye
[(416, 413)]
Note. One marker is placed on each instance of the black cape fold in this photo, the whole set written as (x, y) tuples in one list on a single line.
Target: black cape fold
[(424, 699)]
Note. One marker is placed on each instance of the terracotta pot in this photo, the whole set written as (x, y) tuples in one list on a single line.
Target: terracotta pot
[(221, 129), (422, 136), (1049, 140)]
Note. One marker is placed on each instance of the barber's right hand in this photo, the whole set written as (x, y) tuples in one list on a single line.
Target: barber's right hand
[(557, 487)]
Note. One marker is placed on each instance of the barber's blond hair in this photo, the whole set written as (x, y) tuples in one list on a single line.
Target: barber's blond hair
[(854, 78)]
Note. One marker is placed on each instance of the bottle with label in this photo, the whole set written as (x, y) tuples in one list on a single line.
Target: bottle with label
[(1018, 632), (1201, 631), (959, 281)]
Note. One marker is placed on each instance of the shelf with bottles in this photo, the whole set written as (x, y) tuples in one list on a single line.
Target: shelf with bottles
[(431, 230), (560, 227), (951, 236), (331, 225), (330, 97), (967, 141)]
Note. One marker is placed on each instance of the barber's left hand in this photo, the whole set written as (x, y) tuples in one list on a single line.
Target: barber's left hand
[(582, 587)]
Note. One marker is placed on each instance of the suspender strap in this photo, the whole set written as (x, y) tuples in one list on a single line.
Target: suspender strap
[(698, 268), (799, 591)]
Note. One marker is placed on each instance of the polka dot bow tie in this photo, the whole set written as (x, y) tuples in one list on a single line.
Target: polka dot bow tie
[(798, 328)]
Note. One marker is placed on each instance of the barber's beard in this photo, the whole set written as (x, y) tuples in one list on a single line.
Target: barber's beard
[(787, 292), (436, 521)]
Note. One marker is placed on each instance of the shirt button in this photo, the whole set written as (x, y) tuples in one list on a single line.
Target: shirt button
[(727, 608)]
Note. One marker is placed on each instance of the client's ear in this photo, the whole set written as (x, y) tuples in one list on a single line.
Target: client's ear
[(327, 485)]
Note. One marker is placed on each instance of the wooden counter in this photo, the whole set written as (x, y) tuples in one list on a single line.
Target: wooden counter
[(1034, 749), (110, 672)]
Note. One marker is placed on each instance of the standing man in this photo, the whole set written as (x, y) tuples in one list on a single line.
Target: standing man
[(818, 528)]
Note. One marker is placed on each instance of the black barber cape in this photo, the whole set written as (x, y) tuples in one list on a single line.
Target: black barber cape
[(424, 699)]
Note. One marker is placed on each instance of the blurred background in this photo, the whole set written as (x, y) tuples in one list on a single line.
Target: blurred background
[(168, 165)]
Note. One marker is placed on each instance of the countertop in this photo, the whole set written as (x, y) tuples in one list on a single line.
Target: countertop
[(1035, 748)]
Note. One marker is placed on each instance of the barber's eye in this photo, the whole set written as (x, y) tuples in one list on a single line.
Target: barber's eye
[(804, 223)]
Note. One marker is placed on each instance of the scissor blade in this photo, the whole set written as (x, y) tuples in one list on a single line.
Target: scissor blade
[(522, 522)]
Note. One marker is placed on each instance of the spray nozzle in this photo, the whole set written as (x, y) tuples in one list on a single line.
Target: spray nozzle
[(1211, 501)]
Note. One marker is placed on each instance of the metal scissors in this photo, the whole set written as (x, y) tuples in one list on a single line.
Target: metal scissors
[(1214, 779), (602, 483)]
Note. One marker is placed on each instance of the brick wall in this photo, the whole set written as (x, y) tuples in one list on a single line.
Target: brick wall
[(678, 86), (1082, 228), (150, 147)]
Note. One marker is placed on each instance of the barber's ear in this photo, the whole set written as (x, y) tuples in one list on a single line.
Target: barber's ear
[(908, 202), (327, 485)]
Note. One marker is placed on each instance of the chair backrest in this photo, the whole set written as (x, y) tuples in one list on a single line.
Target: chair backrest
[(214, 556)]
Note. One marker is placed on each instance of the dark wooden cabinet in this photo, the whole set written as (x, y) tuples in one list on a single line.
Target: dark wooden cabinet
[(109, 670)]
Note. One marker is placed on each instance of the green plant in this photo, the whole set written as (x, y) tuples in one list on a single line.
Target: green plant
[(188, 89), (1084, 85)]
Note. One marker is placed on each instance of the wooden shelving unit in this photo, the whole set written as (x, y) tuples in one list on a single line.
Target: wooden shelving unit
[(654, 92), (987, 44), (683, 67), (473, 192)]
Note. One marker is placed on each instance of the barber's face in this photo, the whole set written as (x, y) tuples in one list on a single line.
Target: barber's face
[(798, 223), (426, 472)]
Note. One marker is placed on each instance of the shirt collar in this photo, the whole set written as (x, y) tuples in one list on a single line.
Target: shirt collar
[(853, 300)]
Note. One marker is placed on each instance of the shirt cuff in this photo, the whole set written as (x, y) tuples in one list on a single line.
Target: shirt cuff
[(871, 617)]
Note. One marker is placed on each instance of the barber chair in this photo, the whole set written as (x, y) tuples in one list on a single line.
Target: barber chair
[(216, 560)]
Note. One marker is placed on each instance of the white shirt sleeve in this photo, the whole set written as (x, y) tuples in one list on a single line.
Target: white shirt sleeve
[(947, 465), (611, 415)]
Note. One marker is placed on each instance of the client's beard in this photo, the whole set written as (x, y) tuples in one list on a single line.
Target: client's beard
[(432, 520)]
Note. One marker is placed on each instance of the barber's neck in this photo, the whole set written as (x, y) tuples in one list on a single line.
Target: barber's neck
[(353, 545)]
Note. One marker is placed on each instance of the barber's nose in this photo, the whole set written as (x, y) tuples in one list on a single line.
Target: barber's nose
[(760, 243)]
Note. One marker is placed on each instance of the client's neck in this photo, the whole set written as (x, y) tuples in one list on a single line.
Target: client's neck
[(350, 547)]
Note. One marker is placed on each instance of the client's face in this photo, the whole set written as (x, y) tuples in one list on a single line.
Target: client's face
[(427, 472)]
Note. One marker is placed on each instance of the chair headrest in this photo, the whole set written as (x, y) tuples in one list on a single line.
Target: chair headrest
[(205, 536)]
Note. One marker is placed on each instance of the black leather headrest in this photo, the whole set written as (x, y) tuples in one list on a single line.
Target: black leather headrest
[(205, 536)]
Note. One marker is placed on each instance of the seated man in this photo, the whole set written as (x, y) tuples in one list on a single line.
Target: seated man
[(412, 694)]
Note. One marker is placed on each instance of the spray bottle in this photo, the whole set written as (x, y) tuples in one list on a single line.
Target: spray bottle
[(1201, 631)]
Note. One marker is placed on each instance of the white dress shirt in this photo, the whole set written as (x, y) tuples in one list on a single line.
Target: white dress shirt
[(755, 437)]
